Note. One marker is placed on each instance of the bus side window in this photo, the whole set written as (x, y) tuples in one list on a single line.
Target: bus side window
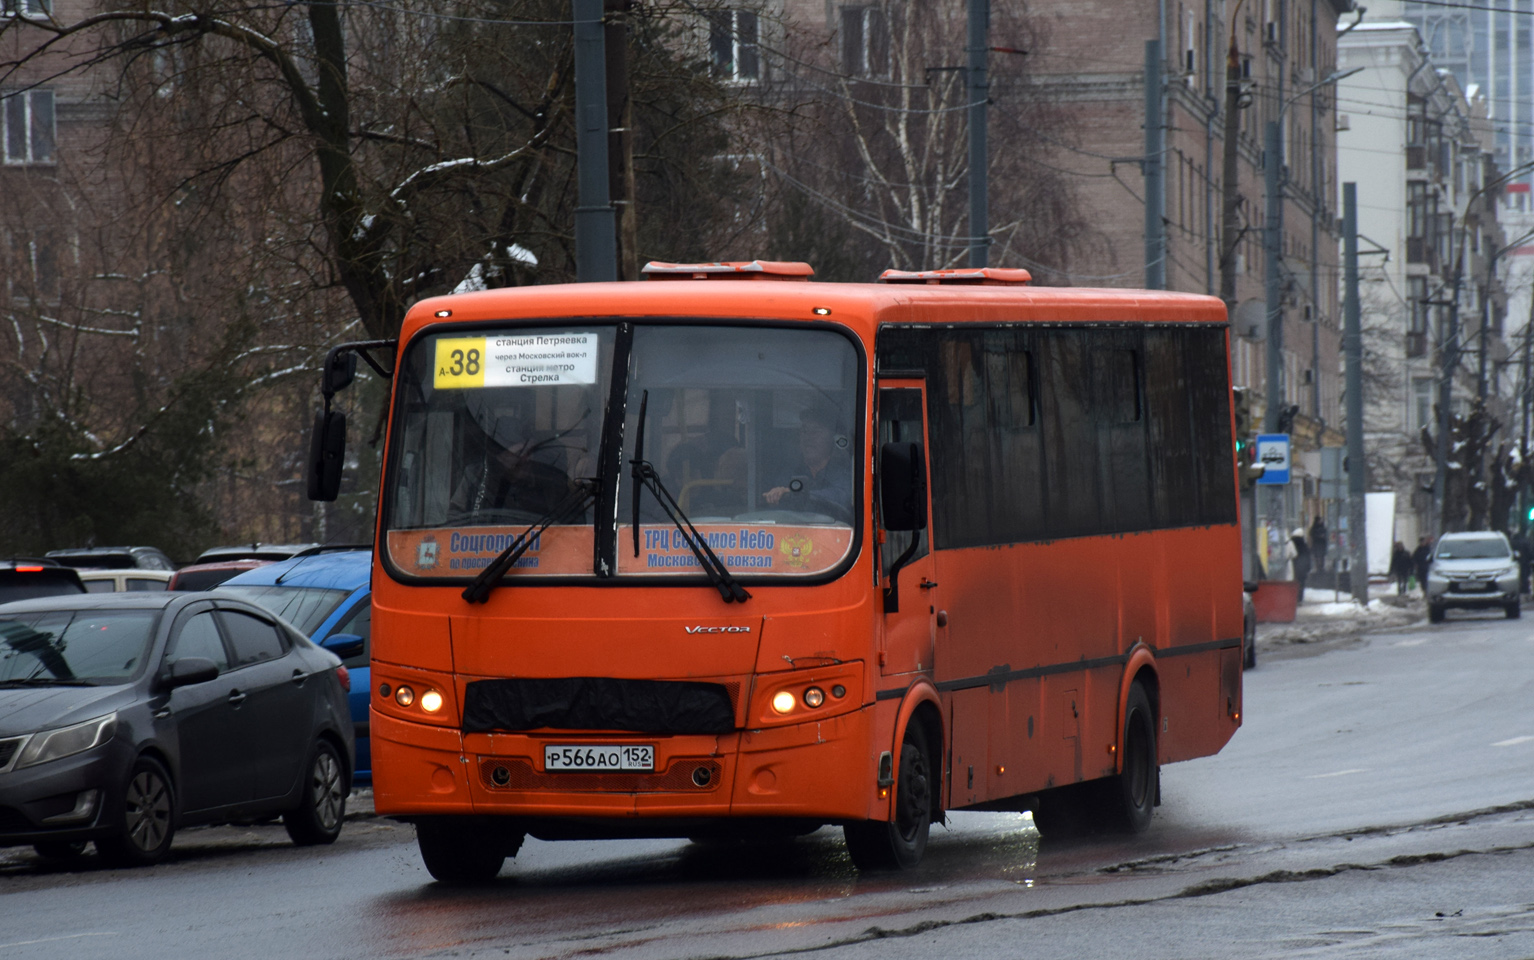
[(900, 421)]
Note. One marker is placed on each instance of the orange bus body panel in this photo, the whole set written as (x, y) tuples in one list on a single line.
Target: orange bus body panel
[(1031, 670)]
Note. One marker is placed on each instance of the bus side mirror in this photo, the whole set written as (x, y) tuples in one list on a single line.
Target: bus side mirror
[(903, 486), (327, 454), (340, 371)]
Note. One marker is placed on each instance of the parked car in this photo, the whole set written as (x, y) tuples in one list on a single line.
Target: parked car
[(327, 595), (1472, 569), (128, 716), (206, 576), (125, 581), (253, 551), (112, 558), (22, 578)]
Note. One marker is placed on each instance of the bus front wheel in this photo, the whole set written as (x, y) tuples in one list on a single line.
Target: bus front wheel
[(460, 850), (899, 844), (1131, 796)]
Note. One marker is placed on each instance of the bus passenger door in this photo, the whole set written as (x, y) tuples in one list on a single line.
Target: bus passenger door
[(911, 617)]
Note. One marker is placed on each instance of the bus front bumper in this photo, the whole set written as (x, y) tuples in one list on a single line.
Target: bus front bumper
[(824, 770)]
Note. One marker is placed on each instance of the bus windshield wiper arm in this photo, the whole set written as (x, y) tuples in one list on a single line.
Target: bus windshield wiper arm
[(643, 472), (577, 499)]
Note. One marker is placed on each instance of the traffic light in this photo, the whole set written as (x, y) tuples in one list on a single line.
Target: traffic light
[(1246, 449), (1243, 405)]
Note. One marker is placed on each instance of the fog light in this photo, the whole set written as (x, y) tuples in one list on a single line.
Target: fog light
[(814, 697), (783, 701), (501, 776), (431, 701), (404, 696), (702, 775), (384, 690), (838, 691)]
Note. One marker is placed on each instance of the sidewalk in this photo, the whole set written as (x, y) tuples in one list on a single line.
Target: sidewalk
[(1326, 616)]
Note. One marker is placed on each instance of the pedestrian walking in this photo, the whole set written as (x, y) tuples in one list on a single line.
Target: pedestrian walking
[(1421, 557), (1401, 566), (1318, 544), (1301, 561)]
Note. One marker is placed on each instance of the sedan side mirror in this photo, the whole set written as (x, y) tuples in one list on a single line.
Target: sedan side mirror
[(345, 645), (190, 670)]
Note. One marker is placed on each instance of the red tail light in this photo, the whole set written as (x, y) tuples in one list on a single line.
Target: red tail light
[(343, 675), (29, 569)]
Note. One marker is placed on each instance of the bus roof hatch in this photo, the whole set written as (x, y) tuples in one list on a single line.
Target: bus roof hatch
[(731, 270), (978, 275)]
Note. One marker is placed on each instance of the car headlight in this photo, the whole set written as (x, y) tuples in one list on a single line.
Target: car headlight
[(1509, 572), (67, 741)]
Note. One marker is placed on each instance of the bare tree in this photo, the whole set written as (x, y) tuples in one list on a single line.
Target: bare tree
[(878, 155)]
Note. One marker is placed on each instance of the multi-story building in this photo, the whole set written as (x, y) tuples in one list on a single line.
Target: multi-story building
[(1421, 155), (1090, 62)]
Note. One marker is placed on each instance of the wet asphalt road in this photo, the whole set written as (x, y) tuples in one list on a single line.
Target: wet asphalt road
[(1379, 802)]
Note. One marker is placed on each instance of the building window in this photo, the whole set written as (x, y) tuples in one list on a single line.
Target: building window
[(865, 42), (732, 42), (1422, 403), (28, 129), (26, 8)]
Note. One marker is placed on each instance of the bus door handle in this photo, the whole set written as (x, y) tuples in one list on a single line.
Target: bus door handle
[(927, 584)]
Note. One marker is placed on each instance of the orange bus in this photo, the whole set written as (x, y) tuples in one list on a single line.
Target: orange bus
[(724, 553)]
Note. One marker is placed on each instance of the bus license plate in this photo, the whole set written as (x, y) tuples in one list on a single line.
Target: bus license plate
[(598, 757)]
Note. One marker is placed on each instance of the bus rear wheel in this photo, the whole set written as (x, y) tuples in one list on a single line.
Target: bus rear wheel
[(1130, 798), (899, 844), (461, 850)]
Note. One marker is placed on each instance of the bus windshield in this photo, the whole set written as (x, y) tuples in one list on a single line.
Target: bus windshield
[(753, 429)]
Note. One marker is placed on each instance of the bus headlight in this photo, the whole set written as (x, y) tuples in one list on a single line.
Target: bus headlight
[(814, 697), (783, 701), (431, 701), (404, 696)]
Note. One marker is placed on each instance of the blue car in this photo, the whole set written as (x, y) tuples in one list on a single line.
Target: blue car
[(327, 595)]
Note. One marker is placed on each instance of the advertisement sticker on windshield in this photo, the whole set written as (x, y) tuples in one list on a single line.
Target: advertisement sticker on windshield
[(519, 360)]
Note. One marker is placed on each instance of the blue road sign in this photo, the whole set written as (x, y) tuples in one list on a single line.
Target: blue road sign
[(1273, 455)]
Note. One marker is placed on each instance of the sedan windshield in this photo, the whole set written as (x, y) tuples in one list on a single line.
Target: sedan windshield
[(304, 607), (1477, 548), (75, 646)]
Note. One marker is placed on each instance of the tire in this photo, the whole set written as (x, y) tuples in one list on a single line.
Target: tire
[(1515, 610), (321, 810), (146, 820), (1434, 613), (899, 844), (455, 852), (1129, 799), (61, 850)]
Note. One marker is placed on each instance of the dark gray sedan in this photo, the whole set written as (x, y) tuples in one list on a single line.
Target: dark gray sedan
[(126, 716)]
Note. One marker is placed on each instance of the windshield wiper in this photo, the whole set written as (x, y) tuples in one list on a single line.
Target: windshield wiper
[(577, 499), (644, 475)]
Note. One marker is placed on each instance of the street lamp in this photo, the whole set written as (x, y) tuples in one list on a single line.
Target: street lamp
[(1273, 162)]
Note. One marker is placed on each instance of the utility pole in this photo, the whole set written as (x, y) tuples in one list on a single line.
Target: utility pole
[(1272, 240), (1230, 221), (596, 240), (979, 91), (1155, 189), (1353, 348), (1449, 355), (620, 140)]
